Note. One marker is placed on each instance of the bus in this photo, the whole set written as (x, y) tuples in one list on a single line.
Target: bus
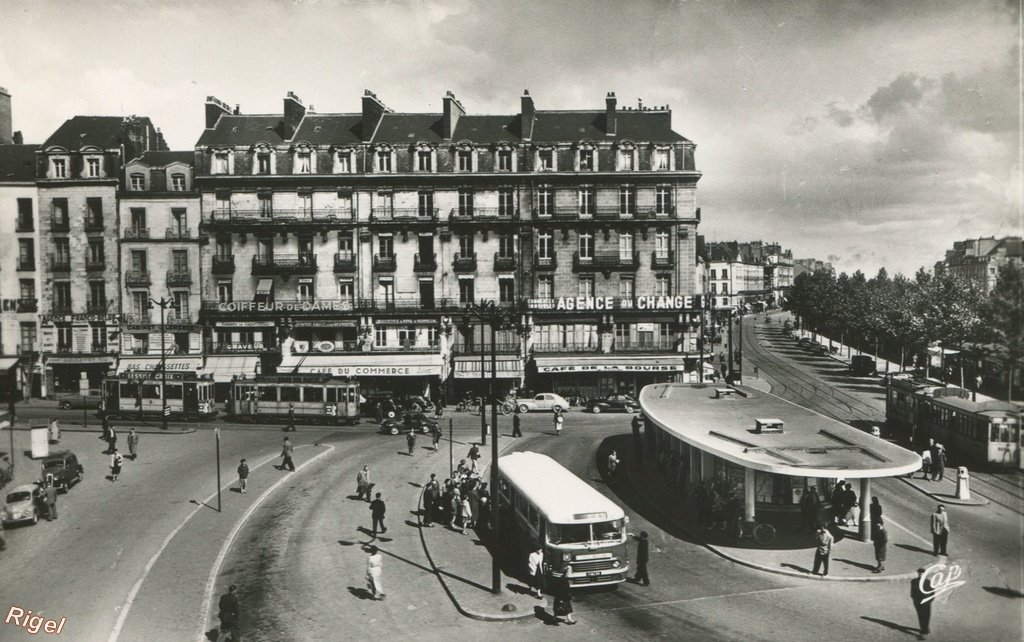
[(316, 399), (137, 395), (581, 531)]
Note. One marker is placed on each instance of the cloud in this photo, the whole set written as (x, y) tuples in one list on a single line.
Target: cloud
[(838, 115), (905, 91)]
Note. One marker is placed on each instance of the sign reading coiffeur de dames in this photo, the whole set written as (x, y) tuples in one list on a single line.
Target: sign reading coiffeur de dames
[(651, 303)]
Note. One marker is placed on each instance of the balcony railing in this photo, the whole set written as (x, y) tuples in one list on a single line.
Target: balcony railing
[(404, 214), (406, 303), (510, 347), (504, 263), (179, 277), (644, 346), (258, 217), (26, 263), (27, 305), (464, 262), (606, 262), (566, 347), (463, 214), (545, 262), (383, 262), (425, 262), (223, 265), (24, 225), (95, 266), (662, 259), (405, 347), (178, 234), (137, 277), (344, 262), (60, 263), (60, 224), (284, 264), (94, 225), (95, 307), (61, 308), (136, 233)]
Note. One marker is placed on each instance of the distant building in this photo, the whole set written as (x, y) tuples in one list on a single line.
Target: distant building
[(735, 277), (802, 266), (979, 260)]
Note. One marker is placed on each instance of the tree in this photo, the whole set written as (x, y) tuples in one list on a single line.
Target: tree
[(1003, 321), (947, 309)]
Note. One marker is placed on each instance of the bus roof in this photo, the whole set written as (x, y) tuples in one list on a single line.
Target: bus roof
[(563, 498)]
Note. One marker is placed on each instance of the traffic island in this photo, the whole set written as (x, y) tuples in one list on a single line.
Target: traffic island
[(942, 490)]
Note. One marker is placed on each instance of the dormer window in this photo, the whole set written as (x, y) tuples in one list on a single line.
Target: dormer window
[(303, 162), (92, 167), (263, 163), (545, 160), (424, 158), (343, 162), (59, 168), (220, 163), (464, 160), (504, 160), (383, 156), (178, 182), (587, 160), (661, 161), (138, 182), (626, 158)]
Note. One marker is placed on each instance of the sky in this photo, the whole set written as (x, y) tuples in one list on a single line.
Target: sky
[(865, 133)]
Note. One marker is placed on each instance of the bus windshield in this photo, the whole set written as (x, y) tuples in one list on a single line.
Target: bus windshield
[(606, 531), (585, 533)]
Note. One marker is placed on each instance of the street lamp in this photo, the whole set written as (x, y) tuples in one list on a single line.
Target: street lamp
[(163, 304)]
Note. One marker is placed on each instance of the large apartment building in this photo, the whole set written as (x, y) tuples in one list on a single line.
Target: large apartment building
[(979, 260), (356, 244)]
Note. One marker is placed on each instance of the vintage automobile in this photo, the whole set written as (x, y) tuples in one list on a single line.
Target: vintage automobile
[(21, 504), (862, 365), (614, 402), (417, 421), (63, 466), (543, 401)]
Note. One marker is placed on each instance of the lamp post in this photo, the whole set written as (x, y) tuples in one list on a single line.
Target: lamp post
[(163, 304)]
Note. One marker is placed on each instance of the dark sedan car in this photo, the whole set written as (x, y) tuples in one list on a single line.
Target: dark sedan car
[(620, 402), (63, 466), (417, 421)]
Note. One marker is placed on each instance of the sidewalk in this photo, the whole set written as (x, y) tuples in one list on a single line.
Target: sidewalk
[(943, 490)]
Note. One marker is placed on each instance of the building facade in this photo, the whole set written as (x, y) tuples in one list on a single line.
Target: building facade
[(358, 244), (979, 260)]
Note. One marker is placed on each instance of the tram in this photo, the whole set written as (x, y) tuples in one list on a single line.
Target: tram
[(581, 531), (142, 395), (317, 399), (973, 431)]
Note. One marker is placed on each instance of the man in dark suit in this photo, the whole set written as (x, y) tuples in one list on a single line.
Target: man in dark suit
[(923, 608), (643, 555), (517, 421)]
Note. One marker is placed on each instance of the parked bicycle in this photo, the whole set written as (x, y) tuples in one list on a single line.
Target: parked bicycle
[(762, 532), (469, 405)]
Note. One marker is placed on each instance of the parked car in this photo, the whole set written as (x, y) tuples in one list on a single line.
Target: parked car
[(65, 469), (415, 403), (417, 421), (819, 348), (543, 401), (804, 342), (78, 402), (862, 365), (626, 403), (21, 504)]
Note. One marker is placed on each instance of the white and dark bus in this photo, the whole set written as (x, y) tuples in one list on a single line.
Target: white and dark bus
[(579, 528)]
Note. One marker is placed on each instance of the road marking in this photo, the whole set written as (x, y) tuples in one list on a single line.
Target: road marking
[(698, 599), (126, 607), (204, 611), (909, 532)]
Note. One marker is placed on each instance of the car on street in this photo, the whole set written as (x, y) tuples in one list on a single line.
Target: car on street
[(614, 402), (410, 420), (804, 342), (21, 504), (78, 402), (542, 401), (862, 365), (820, 348), (65, 469)]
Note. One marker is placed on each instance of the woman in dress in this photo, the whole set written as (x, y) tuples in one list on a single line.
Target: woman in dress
[(374, 573), (563, 597)]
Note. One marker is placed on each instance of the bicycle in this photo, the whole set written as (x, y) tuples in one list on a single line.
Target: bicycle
[(508, 407), (468, 405), (762, 532)]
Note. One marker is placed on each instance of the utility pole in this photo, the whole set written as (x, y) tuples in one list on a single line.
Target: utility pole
[(216, 431), (163, 304)]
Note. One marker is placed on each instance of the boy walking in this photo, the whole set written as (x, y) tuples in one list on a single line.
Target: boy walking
[(286, 455), (243, 476)]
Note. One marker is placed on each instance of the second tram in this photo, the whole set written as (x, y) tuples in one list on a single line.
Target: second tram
[(317, 399), (145, 395)]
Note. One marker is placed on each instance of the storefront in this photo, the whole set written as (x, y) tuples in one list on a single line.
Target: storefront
[(65, 374), (10, 379), (467, 378), (224, 368), (396, 372), (598, 375)]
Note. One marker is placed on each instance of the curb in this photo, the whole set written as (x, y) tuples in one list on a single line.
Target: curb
[(761, 567), (144, 431), (483, 617), (946, 499)]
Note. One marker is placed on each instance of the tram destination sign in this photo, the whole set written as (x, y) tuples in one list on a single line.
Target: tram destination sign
[(600, 303)]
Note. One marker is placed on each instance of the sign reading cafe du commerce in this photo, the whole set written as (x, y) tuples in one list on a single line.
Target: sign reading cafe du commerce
[(649, 303)]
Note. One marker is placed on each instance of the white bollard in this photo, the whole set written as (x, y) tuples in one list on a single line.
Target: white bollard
[(963, 483)]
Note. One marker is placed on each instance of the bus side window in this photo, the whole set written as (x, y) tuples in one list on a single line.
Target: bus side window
[(534, 520)]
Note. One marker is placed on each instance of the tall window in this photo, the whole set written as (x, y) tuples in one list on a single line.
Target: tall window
[(384, 160), (627, 199), (96, 252), (265, 204), (426, 204), (626, 287), (178, 182), (464, 158), (25, 220), (97, 294), (504, 160), (138, 182), (506, 246), (224, 247), (662, 199), (179, 261), (263, 163), (380, 336), (545, 201), (346, 291), (224, 292), (62, 295), (344, 162), (305, 291), (626, 163), (466, 291), (465, 202), (506, 290), (98, 334), (28, 336), (625, 247), (27, 289), (62, 250), (661, 246), (139, 262), (387, 291), (423, 160), (506, 201), (60, 212), (622, 331), (63, 337), (385, 245), (60, 168), (586, 201), (140, 304), (545, 160), (586, 287), (466, 245), (220, 163), (179, 222), (304, 162), (545, 245), (345, 246), (92, 167), (662, 285), (660, 161), (223, 203), (26, 254), (546, 286), (138, 221), (586, 160), (95, 206), (586, 245)]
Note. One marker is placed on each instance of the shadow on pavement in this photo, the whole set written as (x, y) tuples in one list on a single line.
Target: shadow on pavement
[(361, 593), (799, 569), (1004, 592), (916, 549), (909, 630), (866, 567)]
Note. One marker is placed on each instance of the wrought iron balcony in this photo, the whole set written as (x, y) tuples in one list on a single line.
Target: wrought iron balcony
[(345, 262), (510, 347), (403, 214), (482, 214), (644, 346), (95, 266), (425, 262), (406, 303), (96, 307), (464, 262), (93, 224), (566, 347), (223, 265), (662, 259), (504, 263), (179, 277), (26, 263), (136, 233), (545, 262), (284, 264), (278, 217), (384, 263), (178, 234), (137, 278), (27, 305), (605, 262), (60, 223), (60, 263), (61, 308)]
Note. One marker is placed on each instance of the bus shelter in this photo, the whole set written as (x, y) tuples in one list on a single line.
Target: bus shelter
[(767, 450)]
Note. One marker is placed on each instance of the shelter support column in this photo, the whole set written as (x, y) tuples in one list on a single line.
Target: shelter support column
[(707, 465), (695, 471), (748, 495), (865, 509)]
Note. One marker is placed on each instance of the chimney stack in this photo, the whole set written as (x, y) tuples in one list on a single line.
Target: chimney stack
[(214, 110), (6, 119), (294, 110), (609, 114), (527, 113), (373, 111), (452, 111)]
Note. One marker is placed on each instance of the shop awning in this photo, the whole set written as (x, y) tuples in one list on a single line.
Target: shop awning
[(264, 286), (6, 363), (609, 363), (367, 364), (508, 368), (223, 368), (151, 364)]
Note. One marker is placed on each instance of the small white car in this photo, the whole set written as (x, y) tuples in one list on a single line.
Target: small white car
[(543, 401), (20, 504)]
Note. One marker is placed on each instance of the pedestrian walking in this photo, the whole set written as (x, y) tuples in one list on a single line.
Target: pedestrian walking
[(455, 523), (875, 513), (291, 417), (926, 464), (517, 424), (474, 455), (286, 455), (823, 548), (115, 465), (228, 615), (431, 494), (111, 440), (133, 443), (852, 516), (558, 421), (940, 530), (438, 409), (473, 496), (363, 485), (243, 475), (838, 510), (922, 603), (810, 505), (377, 510), (613, 463), (938, 462), (535, 569), (435, 436), (881, 542), (50, 499), (3, 542), (643, 555), (563, 597), (375, 573), (410, 441)]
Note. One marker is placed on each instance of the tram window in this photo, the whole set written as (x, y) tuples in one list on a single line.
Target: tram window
[(1005, 434), (289, 393), (268, 393), (608, 530), (521, 505), (129, 390), (994, 435), (569, 533), (332, 395), (173, 391), (534, 520), (150, 391), (313, 394), (351, 395)]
